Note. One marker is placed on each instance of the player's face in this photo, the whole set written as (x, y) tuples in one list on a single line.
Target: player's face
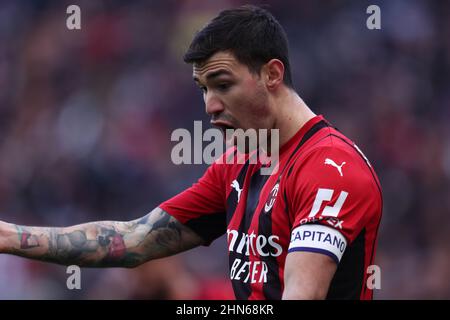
[(234, 97)]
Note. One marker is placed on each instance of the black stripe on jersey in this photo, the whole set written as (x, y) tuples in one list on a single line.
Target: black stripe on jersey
[(286, 208), (348, 280), (257, 182), (272, 288), (243, 290)]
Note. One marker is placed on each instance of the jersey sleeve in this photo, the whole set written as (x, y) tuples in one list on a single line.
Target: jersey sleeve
[(202, 206), (331, 192)]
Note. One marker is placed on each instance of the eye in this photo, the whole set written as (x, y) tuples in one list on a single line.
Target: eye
[(223, 86)]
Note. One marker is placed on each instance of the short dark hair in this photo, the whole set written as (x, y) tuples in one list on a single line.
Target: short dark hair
[(251, 33)]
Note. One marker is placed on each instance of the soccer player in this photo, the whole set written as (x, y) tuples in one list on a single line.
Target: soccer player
[(307, 231)]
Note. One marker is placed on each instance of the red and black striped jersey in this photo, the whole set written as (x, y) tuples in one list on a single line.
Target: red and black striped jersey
[(325, 197)]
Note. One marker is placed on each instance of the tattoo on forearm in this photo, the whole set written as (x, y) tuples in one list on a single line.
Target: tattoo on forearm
[(101, 244), (27, 240), (167, 238)]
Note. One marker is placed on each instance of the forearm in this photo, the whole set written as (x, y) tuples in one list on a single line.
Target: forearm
[(91, 244), (304, 294), (307, 275), (102, 244)]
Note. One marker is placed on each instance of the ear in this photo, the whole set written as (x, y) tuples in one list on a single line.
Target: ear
[(273, 73)]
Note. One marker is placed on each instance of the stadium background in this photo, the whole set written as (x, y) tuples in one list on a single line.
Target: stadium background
[(86, 118)]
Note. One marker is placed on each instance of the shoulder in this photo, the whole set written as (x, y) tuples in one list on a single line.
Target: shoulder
[(332, 161)]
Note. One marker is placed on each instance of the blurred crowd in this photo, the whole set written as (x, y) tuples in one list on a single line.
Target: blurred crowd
[(86, 117)]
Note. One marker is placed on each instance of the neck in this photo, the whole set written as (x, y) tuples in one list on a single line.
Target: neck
[(292, 114)]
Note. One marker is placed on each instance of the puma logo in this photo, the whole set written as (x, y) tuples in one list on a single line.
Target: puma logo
[(332, 163), (235, 185)]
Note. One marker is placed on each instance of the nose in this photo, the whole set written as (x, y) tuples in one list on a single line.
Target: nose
[(213, 104)]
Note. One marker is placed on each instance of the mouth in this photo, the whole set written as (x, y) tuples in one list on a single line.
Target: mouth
[(229, 138), (222, 125)]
